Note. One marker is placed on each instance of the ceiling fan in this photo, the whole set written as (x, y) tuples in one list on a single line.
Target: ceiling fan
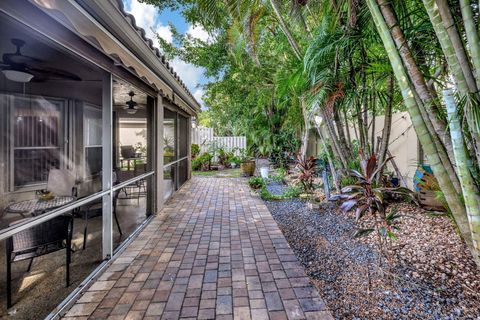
[(21, 68), (131, 106)]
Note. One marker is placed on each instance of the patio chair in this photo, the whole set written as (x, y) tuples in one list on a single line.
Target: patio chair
[(48, 237), (139, 169), (127, 152), (94, 209), (61, 183)]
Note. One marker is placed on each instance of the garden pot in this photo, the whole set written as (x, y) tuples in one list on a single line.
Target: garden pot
[(264, 172), (429, 201), (233, 165), (248, 168)]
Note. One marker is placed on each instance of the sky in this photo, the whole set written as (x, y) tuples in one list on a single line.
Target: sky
[(148, 17)]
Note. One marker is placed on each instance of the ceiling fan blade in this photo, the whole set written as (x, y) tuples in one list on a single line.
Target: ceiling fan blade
[(47, 73), (19, 59)]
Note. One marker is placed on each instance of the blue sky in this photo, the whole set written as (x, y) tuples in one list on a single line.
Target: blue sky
[(148, 17)]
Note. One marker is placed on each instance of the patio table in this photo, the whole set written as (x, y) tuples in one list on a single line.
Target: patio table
[(37, 205)]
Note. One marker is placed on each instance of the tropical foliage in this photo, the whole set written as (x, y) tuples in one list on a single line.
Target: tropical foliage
[(283, 69)]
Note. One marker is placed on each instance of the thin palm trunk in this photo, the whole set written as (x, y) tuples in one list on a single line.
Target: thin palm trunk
[(286, 31), (387, 125), (470, 190), (472, 36), (456, 43), (372, 140), (341, 133), (304, 146), (335, 142), (452, 47), (347, 128), (329, 158), (452, 197), (427, 104)]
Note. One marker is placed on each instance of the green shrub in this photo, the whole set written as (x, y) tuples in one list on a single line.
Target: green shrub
[(279, 175), (232, 158), (195, 150), (347, 181), (256, 182), (291, 192), (202, 162)]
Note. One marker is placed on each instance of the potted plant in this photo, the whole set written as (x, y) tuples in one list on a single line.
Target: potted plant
[(195, 150), (233, 160), (247, 164)]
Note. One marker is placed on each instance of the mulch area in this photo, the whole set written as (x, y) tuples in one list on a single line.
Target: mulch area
[(431, 275)]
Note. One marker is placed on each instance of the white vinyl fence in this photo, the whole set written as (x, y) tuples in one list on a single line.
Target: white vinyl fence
[(205, 138)]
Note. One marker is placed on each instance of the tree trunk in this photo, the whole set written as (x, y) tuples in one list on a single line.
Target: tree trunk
[(452, 197), (434, 125), (286, 31), (452, 47), (387, 125), (472, 36), (341, 133), (347, 128), (455, 42), (372, 140), (470, 190), (304, 146), (329, 158), (335, 142), (365, 120)]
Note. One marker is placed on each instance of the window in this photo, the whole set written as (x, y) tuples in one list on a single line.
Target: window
[(37, 138), (169, 136), (92, 126)]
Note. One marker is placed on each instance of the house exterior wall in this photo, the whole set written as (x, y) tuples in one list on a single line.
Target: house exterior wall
[(69, 28)]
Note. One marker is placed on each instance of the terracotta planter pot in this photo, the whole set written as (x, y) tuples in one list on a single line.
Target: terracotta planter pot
[(428, 200), (248, 168)]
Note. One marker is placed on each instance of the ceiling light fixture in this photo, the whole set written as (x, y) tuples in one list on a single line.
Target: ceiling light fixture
[(131, 106), (17, 76)]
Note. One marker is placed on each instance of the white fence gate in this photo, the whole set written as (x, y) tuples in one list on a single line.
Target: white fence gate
[(205, 138)]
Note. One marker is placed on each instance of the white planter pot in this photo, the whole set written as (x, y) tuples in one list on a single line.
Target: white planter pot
[(233, 165), (264, 172)]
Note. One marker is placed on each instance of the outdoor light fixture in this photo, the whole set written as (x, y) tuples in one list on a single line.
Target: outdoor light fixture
[(17, 76), (131, 106)]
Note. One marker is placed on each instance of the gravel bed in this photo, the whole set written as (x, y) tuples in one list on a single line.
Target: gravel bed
[(433, 275)]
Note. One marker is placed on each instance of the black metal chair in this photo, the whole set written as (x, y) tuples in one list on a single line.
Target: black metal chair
[(95, 209), (50, 236)]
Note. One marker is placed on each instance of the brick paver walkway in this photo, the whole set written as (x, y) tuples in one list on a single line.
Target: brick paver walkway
[(214, 252)]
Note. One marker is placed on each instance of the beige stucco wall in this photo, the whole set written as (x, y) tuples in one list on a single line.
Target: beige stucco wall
[(403, 144)]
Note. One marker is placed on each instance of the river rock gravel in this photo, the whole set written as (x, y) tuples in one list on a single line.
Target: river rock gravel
[(431, 275)]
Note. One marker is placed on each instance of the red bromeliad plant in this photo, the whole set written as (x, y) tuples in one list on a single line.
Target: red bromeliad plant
[(367, 198), (307, 167)]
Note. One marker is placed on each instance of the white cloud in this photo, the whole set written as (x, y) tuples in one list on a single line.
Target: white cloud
[(190, 74), (165, 33), (146, 18), (198, 95), (198, 32)]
